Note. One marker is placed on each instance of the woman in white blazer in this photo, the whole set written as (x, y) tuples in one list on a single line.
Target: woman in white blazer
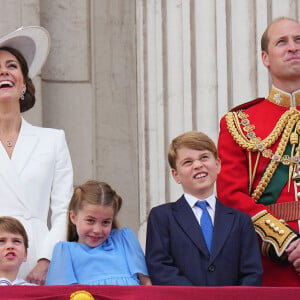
[(36, 176)]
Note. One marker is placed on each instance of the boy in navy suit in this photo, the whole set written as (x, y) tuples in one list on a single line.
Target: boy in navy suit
[(197, 240)]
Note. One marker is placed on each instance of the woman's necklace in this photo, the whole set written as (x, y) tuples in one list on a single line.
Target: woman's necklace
[(9, 140), (9, 143)]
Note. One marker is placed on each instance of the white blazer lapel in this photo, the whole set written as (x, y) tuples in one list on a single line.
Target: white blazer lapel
[(10, 177), (25, 145)]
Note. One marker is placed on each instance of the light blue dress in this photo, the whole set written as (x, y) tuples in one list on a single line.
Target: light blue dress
[(115, 262)]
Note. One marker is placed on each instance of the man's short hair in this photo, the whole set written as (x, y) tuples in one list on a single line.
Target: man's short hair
[(264, 42)]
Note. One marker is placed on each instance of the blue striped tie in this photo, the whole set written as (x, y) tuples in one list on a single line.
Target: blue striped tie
[(206, 224)]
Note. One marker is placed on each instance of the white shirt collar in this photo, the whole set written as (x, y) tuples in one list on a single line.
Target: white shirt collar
[(191, 200), (17, 281)]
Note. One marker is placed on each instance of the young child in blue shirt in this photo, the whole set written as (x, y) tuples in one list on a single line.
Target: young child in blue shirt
[(97, 252)]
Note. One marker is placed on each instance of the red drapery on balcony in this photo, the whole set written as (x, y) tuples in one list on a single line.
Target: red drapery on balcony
[(149, 292)]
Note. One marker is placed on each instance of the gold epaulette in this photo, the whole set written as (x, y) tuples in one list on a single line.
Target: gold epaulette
[(273, 231)]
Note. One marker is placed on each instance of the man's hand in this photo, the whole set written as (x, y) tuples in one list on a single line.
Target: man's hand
[(293, 252)]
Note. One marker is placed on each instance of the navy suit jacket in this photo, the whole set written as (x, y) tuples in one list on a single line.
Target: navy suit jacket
[(176, 251)]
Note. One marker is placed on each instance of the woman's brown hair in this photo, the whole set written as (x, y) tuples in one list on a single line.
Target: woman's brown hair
[(29, 96)]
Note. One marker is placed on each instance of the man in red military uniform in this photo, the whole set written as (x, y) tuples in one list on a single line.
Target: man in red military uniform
[(259, 147)]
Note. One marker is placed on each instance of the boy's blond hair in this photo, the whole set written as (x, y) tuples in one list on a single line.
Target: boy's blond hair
[(192, 139)]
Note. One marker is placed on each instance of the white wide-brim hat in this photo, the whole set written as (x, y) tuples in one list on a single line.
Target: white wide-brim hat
[(33, 42)]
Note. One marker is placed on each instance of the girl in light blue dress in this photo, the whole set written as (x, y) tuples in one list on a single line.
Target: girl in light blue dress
[(97, 252)]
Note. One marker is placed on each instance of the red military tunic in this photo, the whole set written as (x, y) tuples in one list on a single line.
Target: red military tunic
[(258, 147)]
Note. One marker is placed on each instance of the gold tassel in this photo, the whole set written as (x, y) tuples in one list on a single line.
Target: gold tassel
[(293, 141)]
